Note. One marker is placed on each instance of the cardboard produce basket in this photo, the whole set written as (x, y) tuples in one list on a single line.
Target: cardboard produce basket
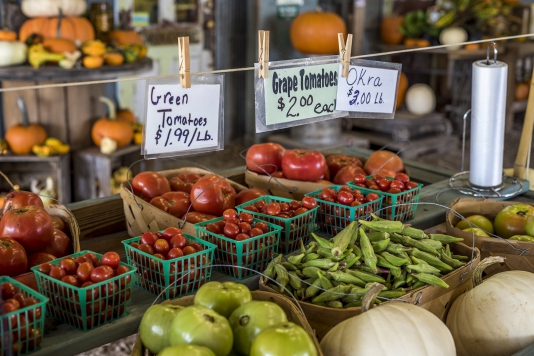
[(293, 314), (518, 255), (437, 300), (141, 216)]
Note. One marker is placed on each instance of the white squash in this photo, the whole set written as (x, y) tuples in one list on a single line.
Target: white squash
[(495, 317), (393, 329), (50, 8), (452, 35), (12, 52), (420, 99)]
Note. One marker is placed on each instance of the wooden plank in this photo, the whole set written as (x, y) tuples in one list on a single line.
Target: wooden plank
[(51, 105), (99, 217), (12, 114)]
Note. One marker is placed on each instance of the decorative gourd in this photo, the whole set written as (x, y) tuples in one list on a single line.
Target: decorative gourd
[(452, 35), (22, 137), (315, 32), (496, 316), (401, 91), (120, 131), (393, 329), (94, 48), (93, 61), (49, 8), (72, 28), (125, 38), (12, 53), (521, 91), (389, 30), (420, 99), (6, 35), (126, 115), (114, 59), (59, 44)]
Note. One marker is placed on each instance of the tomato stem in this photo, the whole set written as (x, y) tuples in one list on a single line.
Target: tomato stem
[(209, 318), (244, 320)]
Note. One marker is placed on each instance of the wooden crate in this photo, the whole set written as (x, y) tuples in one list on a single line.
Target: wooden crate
[(93, 170), (22, 169)]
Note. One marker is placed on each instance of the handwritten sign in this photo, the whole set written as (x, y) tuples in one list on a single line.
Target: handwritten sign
[(369, 89), (182, 121)]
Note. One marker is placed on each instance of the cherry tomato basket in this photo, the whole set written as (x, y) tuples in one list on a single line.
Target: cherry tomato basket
[(333, 217), (254, 252), (390, 205), (294, 229), (154, 274), (89, 307), (21, 330)]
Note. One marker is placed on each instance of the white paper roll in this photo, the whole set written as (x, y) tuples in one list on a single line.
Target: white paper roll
[(488, 111)]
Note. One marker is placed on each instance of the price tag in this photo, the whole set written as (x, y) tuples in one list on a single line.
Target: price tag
[(369, 90), (183, 121), (297, 92)]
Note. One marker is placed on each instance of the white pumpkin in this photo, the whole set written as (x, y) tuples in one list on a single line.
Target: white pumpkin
[(420, 99), (12, 53), (496, 317), (50, 8), (393, 329), (452, 35)]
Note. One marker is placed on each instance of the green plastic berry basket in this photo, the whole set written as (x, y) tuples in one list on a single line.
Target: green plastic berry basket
[(333, 217), (186, 273), (21, 330), (391, 205), (294, 229), (89, 307), (254, 253)]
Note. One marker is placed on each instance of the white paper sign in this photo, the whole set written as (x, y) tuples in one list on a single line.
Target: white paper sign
[(368, 90), (181, 121)]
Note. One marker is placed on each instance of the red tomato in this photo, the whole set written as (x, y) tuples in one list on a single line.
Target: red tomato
[(170, 232), (241, 237), (161, 246), (247, 217), (303, 165), (345, 198), (72, 280), (189, 250), (265, 158), (45, 267), (328, 193), (160, 203), (337, 161), (384, 184), (397, 184), (300, 211), (31, 226), (57, 272), (248, 195), (19, 198), (59, 246), (84, 272), (178, 185), (8, 290), (229, 214), (69, 265), (411, 185), (347, 174), (256, 232), (403, 177), (211, 227), (394, 190), (371, 197), (278, 174), (101, 273), (213, 194), (245, 227), (13, 259), (178, 241), (189, 177), (233, 221), (262, 226), (149, 185), (149, 238), (383, 160), (112, 259), (146, 248), (325, 182), (360, 178), (309, 202), (273, 209), (38, 258), (231, 230), (178, 203), (58, 223), (284, 207), (92, 257), (194, 217), (174, 252), (196, 246)]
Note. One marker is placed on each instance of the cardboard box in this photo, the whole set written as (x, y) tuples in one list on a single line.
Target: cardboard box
[(518, 255)]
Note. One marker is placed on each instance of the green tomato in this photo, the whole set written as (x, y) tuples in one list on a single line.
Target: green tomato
[(155, 326), (224, 298), (189, 350), (202, 326), (512, 220), (477, 231), (284, 339), (479, 221), (250, 319)]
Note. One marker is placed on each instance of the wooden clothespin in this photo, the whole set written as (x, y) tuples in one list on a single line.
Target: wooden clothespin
[(185, 62), (344, 53), (263, 53)]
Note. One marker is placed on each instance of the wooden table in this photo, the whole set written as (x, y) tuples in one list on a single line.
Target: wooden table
[(103, 228)]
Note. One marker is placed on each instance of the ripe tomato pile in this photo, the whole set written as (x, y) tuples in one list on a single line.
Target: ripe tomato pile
[(237, 226), (29, 234), (24, 336), (399, 184), (169, 245), (104, 301), (347, 196), (283, 209)]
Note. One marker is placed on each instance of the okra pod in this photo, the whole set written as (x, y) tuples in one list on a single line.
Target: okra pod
[(394, 293), (322, 241), (376, 236), (282, 276), (366, 277), (354, 237), (351, 260), (377, 218), (432, 243), (311, 271), (369, 257), (414, 233), (300, 274), (356, 250), (399, 281), (395, 260), (323, 263), (432, 260), (388, 281), (418, 261), (343, 238), (338, 283), (448, 250), (325, 252), (397, 248), (325, 283), (274, 287), (331, 294), (418, 284), (302, 247), (430, 279), (383, 225), (422, 269), (380, 245), (346, 278), (296, 259), (368, 270), (355, 294), (395, 271), (460, 257), (294, 280), (310, 257), (336, 304), (357, 303), (313, 289), (451, 261), (409, 279), (269, 271), (312, 247), (289, 266), (408, 241), (446, 239)]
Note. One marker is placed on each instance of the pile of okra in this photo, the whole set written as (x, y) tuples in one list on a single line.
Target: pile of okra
[(337, 272)]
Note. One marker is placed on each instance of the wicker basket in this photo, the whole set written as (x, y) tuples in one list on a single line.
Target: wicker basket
[(293, 314), (141, 216)]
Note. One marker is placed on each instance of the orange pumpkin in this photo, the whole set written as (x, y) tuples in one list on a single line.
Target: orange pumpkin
[(22, 137), (117, 130), (125, 38), (315, 32), (126, 115), (114, 59), (72, 28), (401, 90), (389, 30), (521, 91), (59, 45), (93, 62), (6, 35)]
